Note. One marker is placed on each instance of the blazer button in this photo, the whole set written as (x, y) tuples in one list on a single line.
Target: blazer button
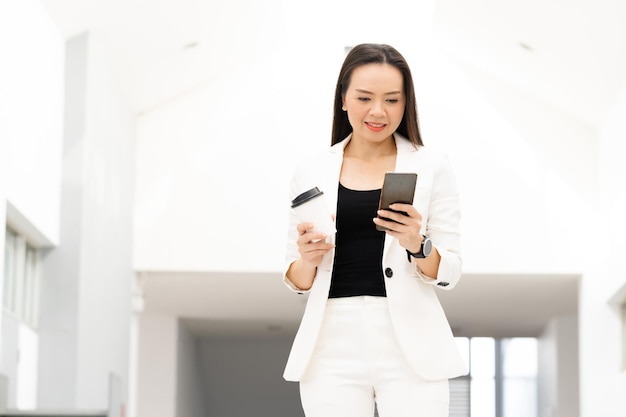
[(388, 272)]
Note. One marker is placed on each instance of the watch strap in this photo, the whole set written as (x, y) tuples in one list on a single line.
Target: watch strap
[(420, 254)]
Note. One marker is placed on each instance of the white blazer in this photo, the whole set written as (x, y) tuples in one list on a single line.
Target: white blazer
[(419, 321)]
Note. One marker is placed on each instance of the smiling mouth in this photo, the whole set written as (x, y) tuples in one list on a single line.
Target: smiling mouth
[(376, 127)]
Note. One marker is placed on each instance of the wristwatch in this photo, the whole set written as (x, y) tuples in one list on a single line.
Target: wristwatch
[(425, 249)]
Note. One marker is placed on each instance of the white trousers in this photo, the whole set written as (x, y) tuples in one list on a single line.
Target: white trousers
[(358, 363)]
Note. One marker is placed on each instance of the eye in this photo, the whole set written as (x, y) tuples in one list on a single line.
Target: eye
[(364, 99), (393, 100)]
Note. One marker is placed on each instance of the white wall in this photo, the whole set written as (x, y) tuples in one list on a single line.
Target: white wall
[(86, 297), (157, 366), (31, 109), (106, 257), (10, 349), (31, 134), (517, 163), (558, 376), (213, 165), (209, 174), (58, 324), (603, 377)]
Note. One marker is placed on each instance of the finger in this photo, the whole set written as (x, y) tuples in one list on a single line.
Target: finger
[(304, 227), (397, 217), (315, 250), (389, 225), (407, 208), (314, 237), (310, 237), (320, 247)]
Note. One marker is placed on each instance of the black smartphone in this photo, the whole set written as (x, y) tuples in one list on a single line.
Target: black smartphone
[(398, 187)]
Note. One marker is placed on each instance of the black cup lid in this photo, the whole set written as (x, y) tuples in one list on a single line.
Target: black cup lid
[(306, 196)]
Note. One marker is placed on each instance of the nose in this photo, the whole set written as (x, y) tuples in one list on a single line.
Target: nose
[(377, 108)]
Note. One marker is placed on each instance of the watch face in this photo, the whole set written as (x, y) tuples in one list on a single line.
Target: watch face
[(428, 247)]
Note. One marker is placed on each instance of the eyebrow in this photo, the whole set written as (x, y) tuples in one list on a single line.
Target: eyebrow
[(369, 92)]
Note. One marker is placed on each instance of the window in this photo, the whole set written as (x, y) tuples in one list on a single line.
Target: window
[(502, 378), (519, 377), (10, 250), (21, 278), (483, 377)]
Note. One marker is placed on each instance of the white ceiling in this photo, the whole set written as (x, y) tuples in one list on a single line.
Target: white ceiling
[(259, 305), (569, 53)]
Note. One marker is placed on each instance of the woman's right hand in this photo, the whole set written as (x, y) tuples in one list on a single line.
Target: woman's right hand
[(312, 245)]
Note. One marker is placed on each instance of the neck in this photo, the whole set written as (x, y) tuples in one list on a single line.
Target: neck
[(370, 150)]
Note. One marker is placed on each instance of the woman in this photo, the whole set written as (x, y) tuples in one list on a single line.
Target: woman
[(373, 331)]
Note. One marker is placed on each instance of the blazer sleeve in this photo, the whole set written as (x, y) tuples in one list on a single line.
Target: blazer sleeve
[(443, 226)]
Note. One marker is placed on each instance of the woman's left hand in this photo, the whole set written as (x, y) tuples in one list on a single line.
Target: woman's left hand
[(406, 228)]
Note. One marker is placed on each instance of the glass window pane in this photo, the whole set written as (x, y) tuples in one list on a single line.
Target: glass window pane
[(483, 357), (519, 368), (20, 280), (520, 397), (483, 397), (463, 344), (9, 270), (29, 286), (520, 357)]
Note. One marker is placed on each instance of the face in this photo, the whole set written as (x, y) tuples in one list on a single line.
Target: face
[(375, 102)]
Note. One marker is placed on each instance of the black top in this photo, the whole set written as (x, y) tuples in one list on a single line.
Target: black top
[(359, 246)]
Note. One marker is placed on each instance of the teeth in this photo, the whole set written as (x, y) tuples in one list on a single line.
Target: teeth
[(376, 124)]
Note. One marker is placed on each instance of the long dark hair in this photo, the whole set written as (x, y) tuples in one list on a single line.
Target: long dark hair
[(372, 53)]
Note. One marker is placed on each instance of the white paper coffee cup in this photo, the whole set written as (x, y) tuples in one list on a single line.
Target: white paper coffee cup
[(311, 207)]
